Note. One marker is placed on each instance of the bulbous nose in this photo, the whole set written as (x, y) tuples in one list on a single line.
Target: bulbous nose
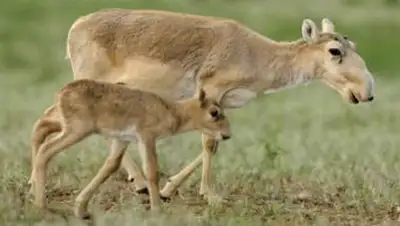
[(226, 137), (371, 98)]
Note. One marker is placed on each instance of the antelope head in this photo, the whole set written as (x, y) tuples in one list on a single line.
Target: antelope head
[(337, 62)]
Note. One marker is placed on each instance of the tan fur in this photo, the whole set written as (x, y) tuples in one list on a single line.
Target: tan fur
[(85, 107), (167, 52)]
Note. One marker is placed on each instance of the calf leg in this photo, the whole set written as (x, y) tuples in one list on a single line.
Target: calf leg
[(111, 164), (43, 128), (46, 152), (134, 173), (147, 149)]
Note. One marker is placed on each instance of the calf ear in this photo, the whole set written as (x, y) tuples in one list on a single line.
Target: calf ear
[(236, 97)]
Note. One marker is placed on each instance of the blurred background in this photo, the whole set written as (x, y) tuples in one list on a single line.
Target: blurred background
[(306, 133), (33, 33)]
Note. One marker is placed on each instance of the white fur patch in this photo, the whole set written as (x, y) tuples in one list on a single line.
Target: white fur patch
[(300, 80), (186, 86), (128, 134)]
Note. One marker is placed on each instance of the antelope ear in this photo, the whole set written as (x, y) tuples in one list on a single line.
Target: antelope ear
[(309, 30), (202, 97), (352, 44), (327, 26), (236, 97)]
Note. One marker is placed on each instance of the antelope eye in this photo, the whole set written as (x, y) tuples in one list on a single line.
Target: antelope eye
[(335, 52)]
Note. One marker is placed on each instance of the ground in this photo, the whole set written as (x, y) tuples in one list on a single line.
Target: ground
[(298, 157)]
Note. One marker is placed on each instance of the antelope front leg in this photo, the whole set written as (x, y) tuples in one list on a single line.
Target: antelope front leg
[(110, 166), (175, 181), (210, 147)]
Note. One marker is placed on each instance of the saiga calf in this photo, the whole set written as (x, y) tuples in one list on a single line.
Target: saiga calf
[(85, 107), (167, 52)]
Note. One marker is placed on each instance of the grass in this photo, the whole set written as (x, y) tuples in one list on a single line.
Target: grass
[(299, 157)]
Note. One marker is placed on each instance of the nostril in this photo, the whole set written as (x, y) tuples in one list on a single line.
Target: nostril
[(225, 137), (371, 98)]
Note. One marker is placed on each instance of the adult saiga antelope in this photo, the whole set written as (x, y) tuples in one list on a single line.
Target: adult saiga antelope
[(167, 52), (85, 107)]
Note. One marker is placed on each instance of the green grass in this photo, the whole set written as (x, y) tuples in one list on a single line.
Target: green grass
[(299, 157)]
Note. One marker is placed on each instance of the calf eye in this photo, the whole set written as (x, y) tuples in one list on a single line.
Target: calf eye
[(214, 114)]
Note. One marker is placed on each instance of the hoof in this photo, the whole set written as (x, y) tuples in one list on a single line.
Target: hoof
[(165, 199), (31, 191), (83, 216), (30, 187), (86, 216), (144, 191), (212, 198), (156, 210)]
